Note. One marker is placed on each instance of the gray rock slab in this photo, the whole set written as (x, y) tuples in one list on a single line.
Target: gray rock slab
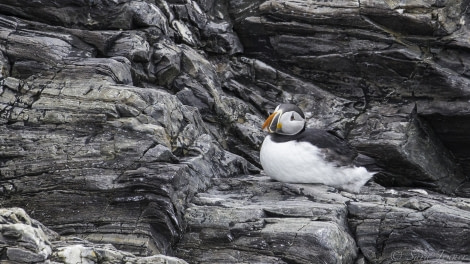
[(252, 217), (245, 219), (25, 240), (411, 226)]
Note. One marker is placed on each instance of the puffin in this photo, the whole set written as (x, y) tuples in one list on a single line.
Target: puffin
[(293, 153)]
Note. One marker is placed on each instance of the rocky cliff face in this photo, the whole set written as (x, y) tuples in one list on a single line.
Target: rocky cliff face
[(136, 123)]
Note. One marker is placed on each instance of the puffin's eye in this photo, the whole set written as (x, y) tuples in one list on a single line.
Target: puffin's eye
[(292, 117)]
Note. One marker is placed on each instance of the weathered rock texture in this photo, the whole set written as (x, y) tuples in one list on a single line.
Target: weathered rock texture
[(25, 240), (130, 122), (241, 215), (255, 220)]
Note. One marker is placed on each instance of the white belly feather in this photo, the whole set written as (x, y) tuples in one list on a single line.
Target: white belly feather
[(302, 162)]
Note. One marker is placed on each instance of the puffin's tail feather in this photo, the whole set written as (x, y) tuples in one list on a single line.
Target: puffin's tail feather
[(354, 179), (368, 162)]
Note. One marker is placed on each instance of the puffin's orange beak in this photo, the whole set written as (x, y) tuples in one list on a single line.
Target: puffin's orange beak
[(268, 122)]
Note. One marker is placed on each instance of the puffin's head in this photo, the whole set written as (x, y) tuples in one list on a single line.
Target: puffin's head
[(287, 119)]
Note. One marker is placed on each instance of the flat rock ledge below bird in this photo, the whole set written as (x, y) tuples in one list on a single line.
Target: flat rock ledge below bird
[(252, 219)]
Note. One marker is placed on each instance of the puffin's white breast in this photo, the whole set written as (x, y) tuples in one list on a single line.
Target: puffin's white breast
[(302, 162)]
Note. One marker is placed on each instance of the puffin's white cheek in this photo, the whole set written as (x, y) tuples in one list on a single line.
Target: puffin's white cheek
[(292, 127)]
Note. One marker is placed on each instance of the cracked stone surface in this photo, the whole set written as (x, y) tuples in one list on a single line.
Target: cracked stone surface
[(240, 215), (129, 128), (25, 240), (252, 219)]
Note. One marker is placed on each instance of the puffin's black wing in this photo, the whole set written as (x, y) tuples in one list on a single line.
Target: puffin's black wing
[(334, 148)]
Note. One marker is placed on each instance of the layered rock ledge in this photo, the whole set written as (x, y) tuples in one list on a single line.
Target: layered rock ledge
[(252, 219)]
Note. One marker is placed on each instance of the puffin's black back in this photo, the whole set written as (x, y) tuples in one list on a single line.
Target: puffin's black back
[(334, 148)]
